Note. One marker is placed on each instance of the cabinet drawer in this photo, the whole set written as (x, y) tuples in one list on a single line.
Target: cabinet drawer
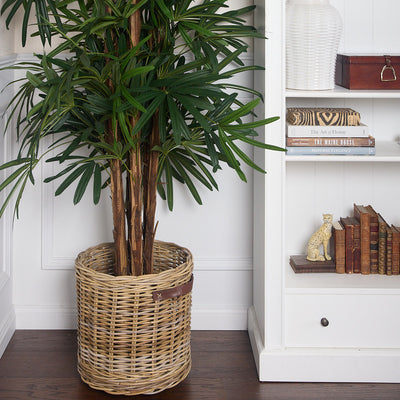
[(357, 321)]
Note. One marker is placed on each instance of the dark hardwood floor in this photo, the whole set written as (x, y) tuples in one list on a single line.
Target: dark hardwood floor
[(41, 365)]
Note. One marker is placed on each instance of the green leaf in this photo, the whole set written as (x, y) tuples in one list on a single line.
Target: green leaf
[(137, 71), (169, 185), (132, 101), (13, 176), (70, 179), (239, 113), (166, 11), (255, 143), (97, 184), (232, 161), (179, 126), (255, 124), (151, 109), (187, 180), (83, 183)]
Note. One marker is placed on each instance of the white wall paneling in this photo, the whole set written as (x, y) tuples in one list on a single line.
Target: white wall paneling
[(51, 232), (7, 314)]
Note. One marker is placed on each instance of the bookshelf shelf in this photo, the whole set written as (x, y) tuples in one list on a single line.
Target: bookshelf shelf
[(385, 152), (333, 283), (341, 92)]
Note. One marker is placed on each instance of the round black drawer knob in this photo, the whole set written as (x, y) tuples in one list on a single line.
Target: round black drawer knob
[(324, 322)]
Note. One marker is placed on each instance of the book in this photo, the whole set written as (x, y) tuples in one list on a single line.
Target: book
[(362, 215), (374, 238), (389, 249), (366, 141), (396, 250), (339, 247), (381, 245), (348, 225), (330, 150), (322, 116), (300, 264), (356, 246), (327, 131)]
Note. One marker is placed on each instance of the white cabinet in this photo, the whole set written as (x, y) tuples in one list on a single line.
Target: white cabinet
[(361, 341)]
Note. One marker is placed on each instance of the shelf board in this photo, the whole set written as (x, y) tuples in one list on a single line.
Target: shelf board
[(341, 92), (385, 152), (341, 283)]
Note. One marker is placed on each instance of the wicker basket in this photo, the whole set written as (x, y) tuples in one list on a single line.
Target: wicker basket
[(134, 332)]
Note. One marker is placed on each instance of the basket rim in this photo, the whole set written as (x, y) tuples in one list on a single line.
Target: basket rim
[(155, 277)]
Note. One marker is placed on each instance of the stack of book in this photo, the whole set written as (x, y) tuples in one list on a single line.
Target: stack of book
[(365, 243), (326, 131)]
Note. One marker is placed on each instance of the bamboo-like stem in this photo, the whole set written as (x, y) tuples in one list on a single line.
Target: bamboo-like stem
[(121, 266), (150, 199), (134, 184), (134, 206)]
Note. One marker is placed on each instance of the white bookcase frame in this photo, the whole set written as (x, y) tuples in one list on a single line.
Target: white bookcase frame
[(361, 342)]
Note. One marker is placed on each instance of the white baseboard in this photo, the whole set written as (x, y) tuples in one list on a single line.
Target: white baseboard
[(7, 328), (45, 317), (234, 319), (54, 317), (256, 341)]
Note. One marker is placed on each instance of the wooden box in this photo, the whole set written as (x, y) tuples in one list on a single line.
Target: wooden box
[(368, 71)]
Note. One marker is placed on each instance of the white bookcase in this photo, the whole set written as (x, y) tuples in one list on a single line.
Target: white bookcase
[(362, 341)]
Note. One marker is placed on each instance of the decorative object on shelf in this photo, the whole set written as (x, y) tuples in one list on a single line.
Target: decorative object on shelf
[(323, 116), (365, 243), (301, 265), (327, 131), (313, 30), (320, 237), (374, 72)]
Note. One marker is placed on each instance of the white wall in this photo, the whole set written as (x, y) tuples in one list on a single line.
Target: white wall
[(7, 315), (51, 232)]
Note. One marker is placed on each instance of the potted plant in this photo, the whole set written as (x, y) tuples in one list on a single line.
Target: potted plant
[(133, 97)]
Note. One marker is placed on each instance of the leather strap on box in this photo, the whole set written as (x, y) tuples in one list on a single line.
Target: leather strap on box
[(173, 292)]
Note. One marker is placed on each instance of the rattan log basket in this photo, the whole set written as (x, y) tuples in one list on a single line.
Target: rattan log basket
[(134, 332)]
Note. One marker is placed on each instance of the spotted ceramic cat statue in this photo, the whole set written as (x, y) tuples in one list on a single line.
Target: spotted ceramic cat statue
[(321, 236)]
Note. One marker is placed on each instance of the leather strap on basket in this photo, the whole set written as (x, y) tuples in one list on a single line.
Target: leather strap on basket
[(173, 292)]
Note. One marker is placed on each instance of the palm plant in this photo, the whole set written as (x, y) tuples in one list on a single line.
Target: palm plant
[(135, 96)]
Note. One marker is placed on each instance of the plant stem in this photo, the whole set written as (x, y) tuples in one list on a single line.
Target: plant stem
[(150, 197), (135, 203), (121, 266), (118, 207)]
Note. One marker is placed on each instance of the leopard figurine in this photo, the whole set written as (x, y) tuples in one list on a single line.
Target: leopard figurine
[(321, 236)]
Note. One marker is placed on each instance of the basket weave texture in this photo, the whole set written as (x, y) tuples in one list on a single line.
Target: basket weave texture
[(129, 343)]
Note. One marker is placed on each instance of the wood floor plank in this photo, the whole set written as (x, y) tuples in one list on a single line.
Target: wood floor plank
[(41, 365)]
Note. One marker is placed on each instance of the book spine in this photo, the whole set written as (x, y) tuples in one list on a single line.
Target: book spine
[(331, 141), (382, 249), (339, 243), (374, 247), (323, 116), (356, 249), (349, 264), (312, 150), (396, 251), (327, 131), (364, 218), (389, 250)]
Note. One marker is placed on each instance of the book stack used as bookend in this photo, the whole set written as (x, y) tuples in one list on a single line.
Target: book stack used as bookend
[(327, 131), (365, 243)]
